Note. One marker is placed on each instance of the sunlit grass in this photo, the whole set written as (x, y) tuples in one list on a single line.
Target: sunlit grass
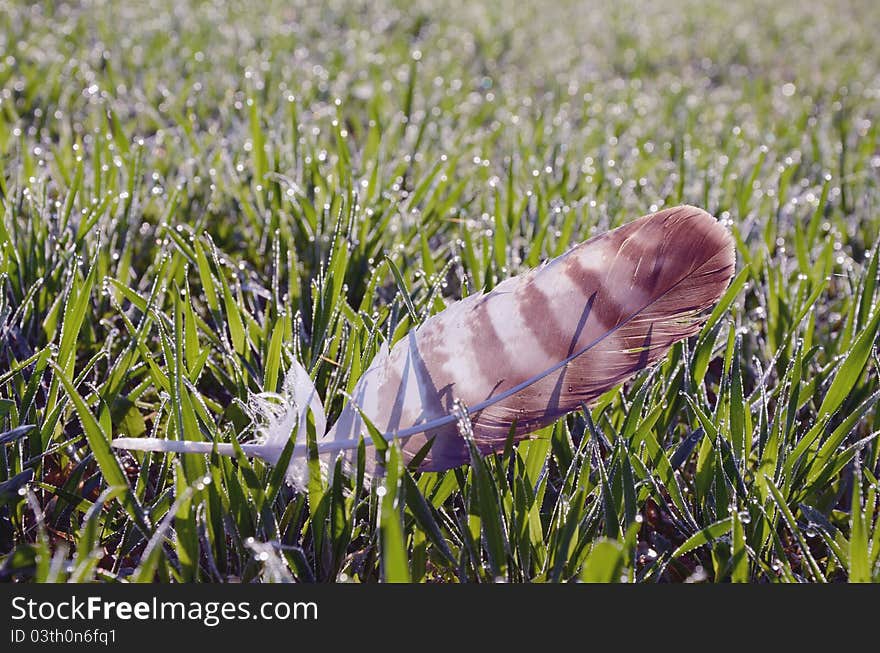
[(193, 195)]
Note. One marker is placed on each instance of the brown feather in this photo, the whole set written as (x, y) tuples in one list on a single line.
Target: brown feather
[(536, 347), (613, 304)]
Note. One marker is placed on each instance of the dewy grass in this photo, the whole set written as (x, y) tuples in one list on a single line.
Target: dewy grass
[(193, 195)]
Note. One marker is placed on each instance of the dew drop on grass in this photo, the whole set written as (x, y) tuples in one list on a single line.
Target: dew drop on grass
[(698, 576)]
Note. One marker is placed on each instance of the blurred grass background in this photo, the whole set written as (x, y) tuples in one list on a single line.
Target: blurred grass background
[(195, 193)]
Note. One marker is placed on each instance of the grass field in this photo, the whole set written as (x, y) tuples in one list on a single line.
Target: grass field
[(193, 195)]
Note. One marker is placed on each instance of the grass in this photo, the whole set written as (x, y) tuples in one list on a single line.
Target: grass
[(193, 195)]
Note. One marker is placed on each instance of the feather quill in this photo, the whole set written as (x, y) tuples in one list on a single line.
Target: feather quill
[(521, 356)]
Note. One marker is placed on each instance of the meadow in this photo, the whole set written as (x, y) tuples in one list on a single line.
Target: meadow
[(193, 194)]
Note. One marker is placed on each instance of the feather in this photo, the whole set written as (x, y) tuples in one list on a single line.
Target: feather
[(285, 415), (536, 347)]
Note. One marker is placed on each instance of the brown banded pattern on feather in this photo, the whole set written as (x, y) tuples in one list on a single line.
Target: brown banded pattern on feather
[(599, 313)]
